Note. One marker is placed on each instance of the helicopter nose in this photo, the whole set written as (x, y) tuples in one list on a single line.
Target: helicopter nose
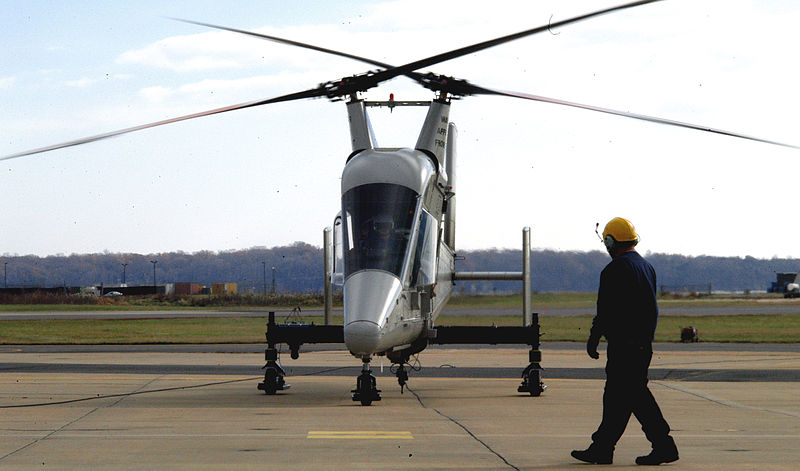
[(369, 298), (362, 337)]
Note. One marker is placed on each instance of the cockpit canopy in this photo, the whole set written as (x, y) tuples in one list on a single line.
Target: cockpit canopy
[(384, 227), (378, 219)]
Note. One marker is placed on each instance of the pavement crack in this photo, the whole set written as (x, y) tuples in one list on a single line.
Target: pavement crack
[(74, 421), (724, 402), (463, 427), (720, 362)]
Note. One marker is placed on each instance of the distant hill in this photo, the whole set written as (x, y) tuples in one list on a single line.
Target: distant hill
[(298, 269), (580, 271)]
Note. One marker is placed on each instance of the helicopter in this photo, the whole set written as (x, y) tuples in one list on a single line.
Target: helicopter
[(394, 240)]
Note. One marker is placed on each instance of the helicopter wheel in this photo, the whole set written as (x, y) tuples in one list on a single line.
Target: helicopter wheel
[(366, 389), (532, 382), (272, 382)]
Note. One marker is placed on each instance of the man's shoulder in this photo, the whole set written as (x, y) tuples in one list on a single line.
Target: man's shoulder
[(632, 256), (614, 266), (625, 261), (636, 263)]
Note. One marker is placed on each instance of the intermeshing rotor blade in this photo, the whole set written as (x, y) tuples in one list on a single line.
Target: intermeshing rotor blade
[(390, 72), (471, 89), (314, 92), (486, 91), (366, 81)]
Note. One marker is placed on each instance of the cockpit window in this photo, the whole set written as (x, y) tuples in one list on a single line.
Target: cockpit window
[(378, 220), (423, 271)]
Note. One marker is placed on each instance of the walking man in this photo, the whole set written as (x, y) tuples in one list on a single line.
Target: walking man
[(627, 313)]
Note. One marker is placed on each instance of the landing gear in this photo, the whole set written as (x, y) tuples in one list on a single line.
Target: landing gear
[(532, 380), (527, 335), (400, 359), (402, 377), (273, 374), (366, 389), (532, 374)]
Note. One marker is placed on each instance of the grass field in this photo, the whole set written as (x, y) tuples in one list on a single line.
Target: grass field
[(233, 329), (754, 329), (282, 302)]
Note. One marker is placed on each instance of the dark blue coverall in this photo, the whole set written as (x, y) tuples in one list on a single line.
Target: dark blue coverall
[(627, 313)]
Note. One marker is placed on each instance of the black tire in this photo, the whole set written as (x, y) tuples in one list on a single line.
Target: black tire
[(270, 381), (366, 389), (535, 382)]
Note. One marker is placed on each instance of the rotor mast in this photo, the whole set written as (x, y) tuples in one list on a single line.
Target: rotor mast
[(433, 136), (362, 137)]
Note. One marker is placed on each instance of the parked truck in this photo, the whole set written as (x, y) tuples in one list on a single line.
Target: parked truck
[(793, 288), (783, 280)]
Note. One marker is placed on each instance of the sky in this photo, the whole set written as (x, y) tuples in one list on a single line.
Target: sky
[(270, 176)]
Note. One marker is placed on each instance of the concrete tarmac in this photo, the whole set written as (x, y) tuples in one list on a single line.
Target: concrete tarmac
[(108, 417)]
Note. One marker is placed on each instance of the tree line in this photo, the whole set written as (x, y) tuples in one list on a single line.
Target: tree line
[(299, 267)]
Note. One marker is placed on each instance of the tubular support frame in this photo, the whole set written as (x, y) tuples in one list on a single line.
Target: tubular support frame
[(295, 335), (327, 244), (524, 276)]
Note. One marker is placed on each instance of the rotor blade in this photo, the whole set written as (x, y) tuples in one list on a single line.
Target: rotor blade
[(312, 93), (416, 65), (487, 91), (409, 69)]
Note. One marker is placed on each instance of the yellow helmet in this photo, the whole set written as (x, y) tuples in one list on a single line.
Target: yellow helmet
[(619, 232)]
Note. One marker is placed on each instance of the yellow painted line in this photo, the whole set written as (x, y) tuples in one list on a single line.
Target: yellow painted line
[(359, 435)]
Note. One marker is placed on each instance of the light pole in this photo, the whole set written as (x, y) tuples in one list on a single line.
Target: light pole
[(155, 290), (5, 274), (273, 280), (264, 265), (123, 272)]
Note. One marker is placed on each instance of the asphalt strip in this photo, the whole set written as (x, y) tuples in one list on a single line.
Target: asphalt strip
[(656, 374)]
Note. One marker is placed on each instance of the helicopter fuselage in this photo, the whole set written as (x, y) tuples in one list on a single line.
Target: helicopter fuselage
[(397, 269), (392, 254)]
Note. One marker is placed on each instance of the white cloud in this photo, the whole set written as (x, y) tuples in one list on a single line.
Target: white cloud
[(155, 94), (7, 82), (81, 83), (196, 52)]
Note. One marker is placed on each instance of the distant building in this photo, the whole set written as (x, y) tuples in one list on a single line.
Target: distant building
[(184, 288), (127, 290), (224, 288), (39, 289)]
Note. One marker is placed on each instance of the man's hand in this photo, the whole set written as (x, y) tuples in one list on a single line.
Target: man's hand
[(591, 347)]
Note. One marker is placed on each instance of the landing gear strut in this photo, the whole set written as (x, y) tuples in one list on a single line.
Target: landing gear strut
[(532, 374), (366, 389)]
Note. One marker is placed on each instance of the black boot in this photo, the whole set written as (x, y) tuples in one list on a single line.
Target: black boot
[(665, 452), (594, 455)]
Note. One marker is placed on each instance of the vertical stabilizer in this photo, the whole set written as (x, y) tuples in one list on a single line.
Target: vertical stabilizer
[(450, 215)]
